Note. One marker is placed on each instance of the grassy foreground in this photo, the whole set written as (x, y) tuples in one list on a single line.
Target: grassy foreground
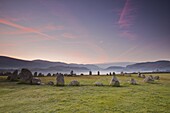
[(142, 98)]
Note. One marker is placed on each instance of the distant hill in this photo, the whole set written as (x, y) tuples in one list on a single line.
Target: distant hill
[(115, 68), (121, 64), (89, 66), (161, 65), (13, 63), (8, 62), (150, 66)]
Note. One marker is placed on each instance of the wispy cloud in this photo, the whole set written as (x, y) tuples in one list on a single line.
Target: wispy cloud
[(25, 29), (54, 27), (126, 20), (126, 17), (69, 35), (126, 53), (51, 27)]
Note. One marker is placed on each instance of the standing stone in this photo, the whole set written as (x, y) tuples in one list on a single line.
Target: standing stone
[(9, 76), (60, 80), (133, 81), (1, 74), (35, 81), (35, 74), (53, 75), (50, 83), (74, 83), (114, 73), (49, 74), (14, 76), (98, 84), (110, 73), (122, 73), (139, 74), (114, 82), (25, 76), (98, 73), (90, 72), (148, 79), (156, 77), (142, 76), (72, 73), (41, 75), (151, 76)]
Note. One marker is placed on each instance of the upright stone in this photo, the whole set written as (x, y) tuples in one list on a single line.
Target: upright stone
[(35, 74), (50, 83), (1, 74), (122, 73), (74, 83), (49, 74), (25, 76), (142, 76), (148, 79), (156, 77), (90, 72), (14, 76), (41, 75), (98, 84), (35, 81), (151, 76), (133, 81), (53, 74), (60, 80), (114, 82), (9, 76), (139, 75), (71, 73), (98, 73)]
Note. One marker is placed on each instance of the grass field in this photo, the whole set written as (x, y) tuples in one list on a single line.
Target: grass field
[(87, 98)]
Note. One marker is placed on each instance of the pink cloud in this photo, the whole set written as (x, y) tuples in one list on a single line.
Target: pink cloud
[(69, 35), (126, 15), (54, 27), (50, 27), (126, 20), (25, 29)]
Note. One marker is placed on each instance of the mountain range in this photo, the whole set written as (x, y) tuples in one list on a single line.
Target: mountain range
[(43, 65)]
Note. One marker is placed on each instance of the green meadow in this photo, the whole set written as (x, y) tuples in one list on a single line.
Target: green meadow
[(87, 98)]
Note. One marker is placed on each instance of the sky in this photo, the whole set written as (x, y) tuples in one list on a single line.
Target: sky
[(85, 31)]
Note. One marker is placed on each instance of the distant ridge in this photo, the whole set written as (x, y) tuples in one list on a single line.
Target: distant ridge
[(13, 63), (162, 65)]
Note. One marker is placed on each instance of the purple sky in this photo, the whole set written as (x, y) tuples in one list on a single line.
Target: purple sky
[(85, 31)]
